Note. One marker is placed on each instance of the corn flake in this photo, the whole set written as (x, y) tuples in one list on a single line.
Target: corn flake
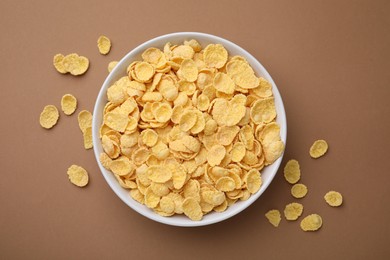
[(57, 62), (215, 56), (292, 171), (104, 45), (273, 217), (333, 198), (87, 136), (298, 190), (77, 175), (68, 104), (253, 181), (192, 209), (111, 65), (318, 149), (312, 222), (223, 83), (85, 120), (49, 117), (293, 211)]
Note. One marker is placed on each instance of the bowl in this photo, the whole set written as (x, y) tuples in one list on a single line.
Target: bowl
[(268, 172)]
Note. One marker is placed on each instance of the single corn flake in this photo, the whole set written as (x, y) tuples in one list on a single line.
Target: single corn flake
[(111, 65), (215, 56), (273, 217), (312, 222), (292, 171), (149, 137), (159, 174), (57, 62), (188, 70), (192, 209), (223, 83), (225, 184), (75, 64), (85, 120), (144, 71), (238, 152), (333, 198), (68, 104), (216, 155), (298, 190), (49, 116), (104, 45), (87, 136), (253, 181), (293, 211), (263, 111), (78, 175), (318, 149), (187, 120)]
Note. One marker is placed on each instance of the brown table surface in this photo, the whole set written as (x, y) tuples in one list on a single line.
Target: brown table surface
[(330, 61)]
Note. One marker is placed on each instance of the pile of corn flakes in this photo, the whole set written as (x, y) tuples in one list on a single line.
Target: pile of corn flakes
[(188, 130)]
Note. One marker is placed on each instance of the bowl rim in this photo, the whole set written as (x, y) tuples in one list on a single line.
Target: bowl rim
[(281, 117)]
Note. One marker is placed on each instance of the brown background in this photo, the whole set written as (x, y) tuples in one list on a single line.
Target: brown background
[(330, 61)]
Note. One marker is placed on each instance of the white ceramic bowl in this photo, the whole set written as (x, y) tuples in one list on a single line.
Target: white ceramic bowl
[(268, 172)]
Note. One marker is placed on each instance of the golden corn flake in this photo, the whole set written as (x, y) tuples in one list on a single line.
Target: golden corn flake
[(188, 70), (143, 71), (333, 198), (49, 116), (292, 171), (253, 181), (87, 135), (273, 217), (57, 62), (299, 190), (263, 111), (75, 64), (318, 149), (225, 184), (223, 83), (77, 175), (111, 65), (192, 209), (187, 131), (312, 222), (216, 154), (104, 45), (68, 104), (293, 211), (238, 152), (159, 174), (215, 56), (187, 120)]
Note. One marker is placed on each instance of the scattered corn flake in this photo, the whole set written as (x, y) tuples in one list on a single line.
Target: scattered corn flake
[(292, 171), (333, 198), (111, 65), (77, 175), (49, 116), (312, 222), (57, 62), (318, 149), (298, 190), (75, 64), (104, 44), (293, 211), (87, 136), (68, 104), (273, 217)]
